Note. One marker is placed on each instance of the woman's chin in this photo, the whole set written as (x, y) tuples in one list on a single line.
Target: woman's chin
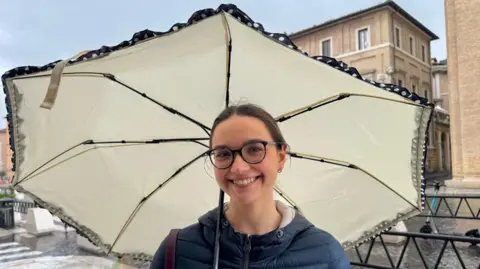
[(244, 199)]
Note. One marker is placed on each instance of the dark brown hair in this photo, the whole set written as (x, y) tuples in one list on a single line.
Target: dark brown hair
[(251, 110)]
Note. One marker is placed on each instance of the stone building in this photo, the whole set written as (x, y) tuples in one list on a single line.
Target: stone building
[(386, 44), (463, 66), (442, 141)]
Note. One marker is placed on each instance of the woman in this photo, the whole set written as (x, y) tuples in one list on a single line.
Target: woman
[(248, 151)]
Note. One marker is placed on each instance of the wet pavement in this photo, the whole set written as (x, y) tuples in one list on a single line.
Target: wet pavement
[(62, 243), (65, 262), (56, 245)]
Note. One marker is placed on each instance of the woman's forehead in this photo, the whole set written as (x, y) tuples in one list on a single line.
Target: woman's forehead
[(238, 130)]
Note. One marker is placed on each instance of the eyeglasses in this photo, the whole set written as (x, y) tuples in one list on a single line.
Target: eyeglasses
[(252, 152)]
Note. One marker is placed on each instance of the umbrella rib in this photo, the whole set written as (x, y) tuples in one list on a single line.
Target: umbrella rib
[(169, 109), (333, 99), (49, 161), (92, 142), (277, 189), (152, 141), (144, 199), (144, 95), (351, 166), (228, 41)]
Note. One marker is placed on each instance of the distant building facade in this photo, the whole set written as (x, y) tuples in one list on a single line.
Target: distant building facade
[(440, 95), (386, 44), (463, 53)]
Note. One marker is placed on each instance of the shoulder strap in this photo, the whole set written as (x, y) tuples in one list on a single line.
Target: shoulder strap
[(170, 251)]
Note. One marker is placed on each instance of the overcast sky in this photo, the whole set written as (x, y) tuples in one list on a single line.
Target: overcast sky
[(41, 31)]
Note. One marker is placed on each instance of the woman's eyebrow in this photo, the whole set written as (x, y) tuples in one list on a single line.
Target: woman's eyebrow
[(246, 142), (255, 140), (220, 146)]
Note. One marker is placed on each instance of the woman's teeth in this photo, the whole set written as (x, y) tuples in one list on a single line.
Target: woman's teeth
[(245, 181)]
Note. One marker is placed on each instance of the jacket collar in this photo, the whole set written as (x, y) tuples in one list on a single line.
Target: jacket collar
[(264, 246)]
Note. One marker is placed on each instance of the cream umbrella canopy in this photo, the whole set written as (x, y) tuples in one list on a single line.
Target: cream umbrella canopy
[(114, 141)]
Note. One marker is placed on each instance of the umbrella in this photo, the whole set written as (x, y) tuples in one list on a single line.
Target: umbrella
[(114, 141)]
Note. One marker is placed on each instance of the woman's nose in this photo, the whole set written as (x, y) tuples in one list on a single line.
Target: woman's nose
[(239, 164)]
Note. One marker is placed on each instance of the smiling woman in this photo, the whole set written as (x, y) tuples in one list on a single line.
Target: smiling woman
[(248, 151), (254, 134)]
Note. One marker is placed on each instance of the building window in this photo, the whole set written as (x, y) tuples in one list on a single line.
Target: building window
[(414, 88), (400, 83), (397, 37), (363, 38), (423, 53), (327, 47), (412, 46), (425, 94)]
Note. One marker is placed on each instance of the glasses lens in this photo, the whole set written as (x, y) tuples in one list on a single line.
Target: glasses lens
[(253, 152), (221, 158)]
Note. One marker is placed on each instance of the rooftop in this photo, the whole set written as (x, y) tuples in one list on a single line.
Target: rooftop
[(386, 4), (439, 66)]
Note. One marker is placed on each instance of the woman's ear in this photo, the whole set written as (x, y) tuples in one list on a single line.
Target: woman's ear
[(282, 157)]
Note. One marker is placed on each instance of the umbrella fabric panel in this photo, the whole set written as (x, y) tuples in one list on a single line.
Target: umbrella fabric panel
[(363, 132), (47, 134), (187, 65), (177, 204), (100, 187), (346, 202), (91, 108), (174, 69), (86, 191)]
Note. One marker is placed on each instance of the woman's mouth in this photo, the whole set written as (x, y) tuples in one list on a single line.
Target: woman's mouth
[(245, 181)]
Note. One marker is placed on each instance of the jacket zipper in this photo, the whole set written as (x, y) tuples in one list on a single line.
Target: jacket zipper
[(246, 252)]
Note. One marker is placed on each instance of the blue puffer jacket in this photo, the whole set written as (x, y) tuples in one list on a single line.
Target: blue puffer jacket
[(298, 245)]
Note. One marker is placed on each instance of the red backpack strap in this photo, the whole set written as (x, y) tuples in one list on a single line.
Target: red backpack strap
[(170, 251)]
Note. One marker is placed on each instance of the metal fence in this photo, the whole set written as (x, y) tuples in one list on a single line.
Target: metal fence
[(418, 251), (22, 206), (447, 200), (7, 220), (429, 248)]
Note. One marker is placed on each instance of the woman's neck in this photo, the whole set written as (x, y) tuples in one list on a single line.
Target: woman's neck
[(257, 218)]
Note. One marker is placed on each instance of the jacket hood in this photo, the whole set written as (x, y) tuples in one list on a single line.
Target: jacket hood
[(262, 246)]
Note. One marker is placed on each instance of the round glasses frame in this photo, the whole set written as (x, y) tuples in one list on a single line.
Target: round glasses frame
[(240, 152)]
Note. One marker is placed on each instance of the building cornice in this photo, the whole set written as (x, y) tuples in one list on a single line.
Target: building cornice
[(389, 4)]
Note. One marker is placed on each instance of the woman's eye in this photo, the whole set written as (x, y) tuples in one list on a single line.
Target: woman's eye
[(254, 149), (222, 154)]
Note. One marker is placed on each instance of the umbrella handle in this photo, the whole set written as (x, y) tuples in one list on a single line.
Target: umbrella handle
[(216, 251)]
